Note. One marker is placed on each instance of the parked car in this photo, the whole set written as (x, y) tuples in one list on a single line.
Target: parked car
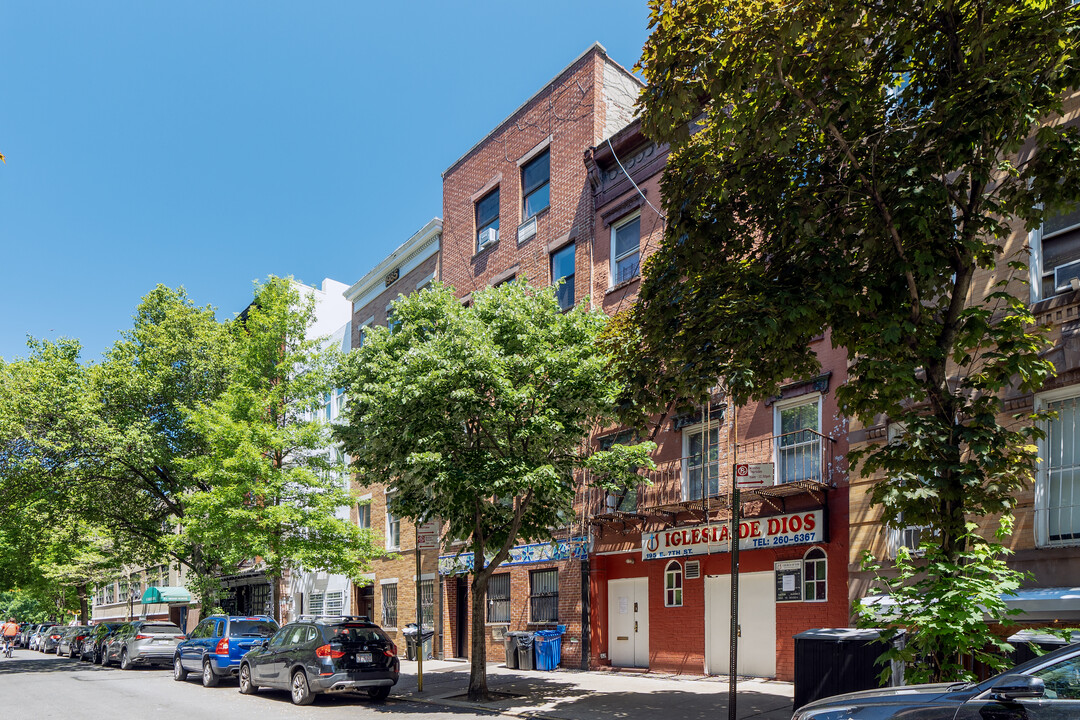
[(216, 645), (23, 635), (93, 645), (50, 638), (143, 642), (323, 655), (71, 639), (35, 637), (1044, 688)]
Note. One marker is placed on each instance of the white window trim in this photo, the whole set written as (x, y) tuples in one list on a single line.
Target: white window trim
[(682, 584), (614, 261), (895, 539), (780, 405), (386, 525), (1042, 499), (826, 561), (1035, 267), (685, 471)]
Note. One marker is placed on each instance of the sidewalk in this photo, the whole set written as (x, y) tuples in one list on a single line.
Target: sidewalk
[(597, 695)]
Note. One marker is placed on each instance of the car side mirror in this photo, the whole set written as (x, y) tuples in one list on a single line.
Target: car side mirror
[(263, 644), (1014, 687)]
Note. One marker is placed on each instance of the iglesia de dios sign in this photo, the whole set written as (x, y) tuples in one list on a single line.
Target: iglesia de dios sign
[(801, 528)]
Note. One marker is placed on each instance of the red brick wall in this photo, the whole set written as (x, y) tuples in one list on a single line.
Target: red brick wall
[(405, 285)]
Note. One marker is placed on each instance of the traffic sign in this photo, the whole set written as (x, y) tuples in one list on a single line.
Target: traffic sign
[(749, 476)]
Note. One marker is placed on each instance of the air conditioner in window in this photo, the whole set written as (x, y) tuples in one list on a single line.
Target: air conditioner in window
[(527, 229), (1067, 276), (487, 236)]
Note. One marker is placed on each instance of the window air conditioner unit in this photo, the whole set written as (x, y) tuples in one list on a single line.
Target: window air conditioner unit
[(488, 236), (1067, 277), (527, 229)]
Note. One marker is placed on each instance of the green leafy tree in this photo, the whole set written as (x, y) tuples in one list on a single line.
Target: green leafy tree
[(856, 169), (267, 485), (479, 416)]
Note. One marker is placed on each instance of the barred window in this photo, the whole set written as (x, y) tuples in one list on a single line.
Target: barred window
[(427, 604), (544, 596), (498, 598), (389, 605)]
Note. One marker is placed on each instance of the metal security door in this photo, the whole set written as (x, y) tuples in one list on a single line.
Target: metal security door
[(757, 623), (628, 622)]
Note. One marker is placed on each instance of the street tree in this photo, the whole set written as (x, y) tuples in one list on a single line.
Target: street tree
[(268, 485), (855, 169), (478, 416)]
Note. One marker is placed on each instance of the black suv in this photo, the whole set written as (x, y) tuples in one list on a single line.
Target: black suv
[(93, 645), (323, 654)]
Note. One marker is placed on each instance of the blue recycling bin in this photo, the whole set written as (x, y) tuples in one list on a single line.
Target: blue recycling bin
[(548, 649)]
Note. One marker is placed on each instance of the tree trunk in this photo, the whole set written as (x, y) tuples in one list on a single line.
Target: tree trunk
[(478, 690), (84, 606)]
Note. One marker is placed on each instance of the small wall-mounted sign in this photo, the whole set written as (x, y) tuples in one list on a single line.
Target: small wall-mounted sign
[(392, 277), (788, 580)]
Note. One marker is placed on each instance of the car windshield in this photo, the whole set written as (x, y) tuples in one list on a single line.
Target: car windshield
[(252, 628), (356, 635), (160, 629)]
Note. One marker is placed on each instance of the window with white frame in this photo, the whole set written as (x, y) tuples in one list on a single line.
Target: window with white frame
[(487, 219), (363, 513), (1057, 480), (316, 603), (625, 246), (673, 577), (110, 593), (797, 428), (389, 605), (562, 268), (1056, 256), (815, 574), (335, 603), (903, 536), (701, 461), (393, 526), (535, 185)]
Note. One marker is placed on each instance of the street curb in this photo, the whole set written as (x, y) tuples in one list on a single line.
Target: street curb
[(475, 707)]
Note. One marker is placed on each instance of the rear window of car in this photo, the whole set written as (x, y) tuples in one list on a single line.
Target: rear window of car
[(252, 628), (355, 634), (161, 629)]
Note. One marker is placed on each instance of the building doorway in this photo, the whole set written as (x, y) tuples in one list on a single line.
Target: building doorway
[(757, 624), (628, 622), (462, 625)]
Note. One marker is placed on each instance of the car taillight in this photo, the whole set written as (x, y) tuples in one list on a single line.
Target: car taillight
[(222, 647), (142, 637), (54, 637), (179, 637), (392, 651), (327, 651)]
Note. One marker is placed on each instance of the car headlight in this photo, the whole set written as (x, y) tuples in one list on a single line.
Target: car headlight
[(825, 713)]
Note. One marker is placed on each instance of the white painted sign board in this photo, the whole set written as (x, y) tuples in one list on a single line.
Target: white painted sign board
[(749, 476), (427, 535)]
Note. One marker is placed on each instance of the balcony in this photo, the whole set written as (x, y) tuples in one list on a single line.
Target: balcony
[(703, 485)]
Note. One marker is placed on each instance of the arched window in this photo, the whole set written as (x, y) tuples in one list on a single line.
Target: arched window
[(814, 575), (673, 585)]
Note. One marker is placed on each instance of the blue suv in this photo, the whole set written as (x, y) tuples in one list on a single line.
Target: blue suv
[(217, 643)]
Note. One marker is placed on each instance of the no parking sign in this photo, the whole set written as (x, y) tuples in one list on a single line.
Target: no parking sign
[(750, 476)]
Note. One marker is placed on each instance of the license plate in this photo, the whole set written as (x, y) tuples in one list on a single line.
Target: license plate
[(363, 657)]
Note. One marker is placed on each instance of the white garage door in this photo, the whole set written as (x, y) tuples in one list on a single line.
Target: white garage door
[(757, 621)]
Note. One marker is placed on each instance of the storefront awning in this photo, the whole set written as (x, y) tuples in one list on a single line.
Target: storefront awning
[(165, 595)]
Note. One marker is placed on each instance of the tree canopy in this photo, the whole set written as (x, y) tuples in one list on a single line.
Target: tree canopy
[(856, 169), (479, 416)]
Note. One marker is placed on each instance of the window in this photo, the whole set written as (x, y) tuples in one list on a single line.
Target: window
[(1058, 245), (796, 425), (363, 513), (673, 585), (906, 536), (389, 605), (1062, 680), (136, 586), (315, 606), (335, 603), (427, 604), (1057, 483), (562, 268), (392, 322), (701, 462), (487, 217), (625, 242), (110, 593), (814, 575), (123, 593), (544, 596), (535, 184), (498, 598), (393, 527), (626, 500)]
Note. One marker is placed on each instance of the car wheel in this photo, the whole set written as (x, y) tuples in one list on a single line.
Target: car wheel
[(99, 656), (378, 694), (209, 679), (125, 661), (179, 674), (71, 653), (104, 657), (301, 691), (246, 686)]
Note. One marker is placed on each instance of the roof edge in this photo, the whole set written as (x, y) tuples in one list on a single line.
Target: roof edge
[(418, 239)]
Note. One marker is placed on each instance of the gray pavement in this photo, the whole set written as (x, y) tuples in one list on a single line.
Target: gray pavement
[(35, 686)]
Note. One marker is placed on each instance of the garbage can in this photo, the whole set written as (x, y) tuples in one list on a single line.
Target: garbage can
[(428, 644), (410, 633), (830, 661), (525, 642), (510, 644), (548, 649)]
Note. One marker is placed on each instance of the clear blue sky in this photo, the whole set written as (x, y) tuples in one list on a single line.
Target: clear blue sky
[(209, 143)]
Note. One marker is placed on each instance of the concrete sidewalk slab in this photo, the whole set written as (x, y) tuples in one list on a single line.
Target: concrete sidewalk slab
[(598, 695)]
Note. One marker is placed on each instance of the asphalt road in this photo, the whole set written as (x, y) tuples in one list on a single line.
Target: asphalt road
[(34, 686)]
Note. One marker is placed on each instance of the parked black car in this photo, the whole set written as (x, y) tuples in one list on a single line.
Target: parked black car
[(71, 639), (1045, 688), (323, 655), (93, 645)]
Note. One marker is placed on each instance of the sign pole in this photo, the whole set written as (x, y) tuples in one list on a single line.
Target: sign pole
[(419, 616), (734, 630)]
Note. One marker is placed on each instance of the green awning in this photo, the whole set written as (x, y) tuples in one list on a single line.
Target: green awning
[(165, 595)]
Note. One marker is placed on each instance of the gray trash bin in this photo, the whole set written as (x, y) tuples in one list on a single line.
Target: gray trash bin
[(526, 659), (510, 643), (410, 633)]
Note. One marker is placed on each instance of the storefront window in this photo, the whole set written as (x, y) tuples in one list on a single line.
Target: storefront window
[(814, 575), (673, 585)]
